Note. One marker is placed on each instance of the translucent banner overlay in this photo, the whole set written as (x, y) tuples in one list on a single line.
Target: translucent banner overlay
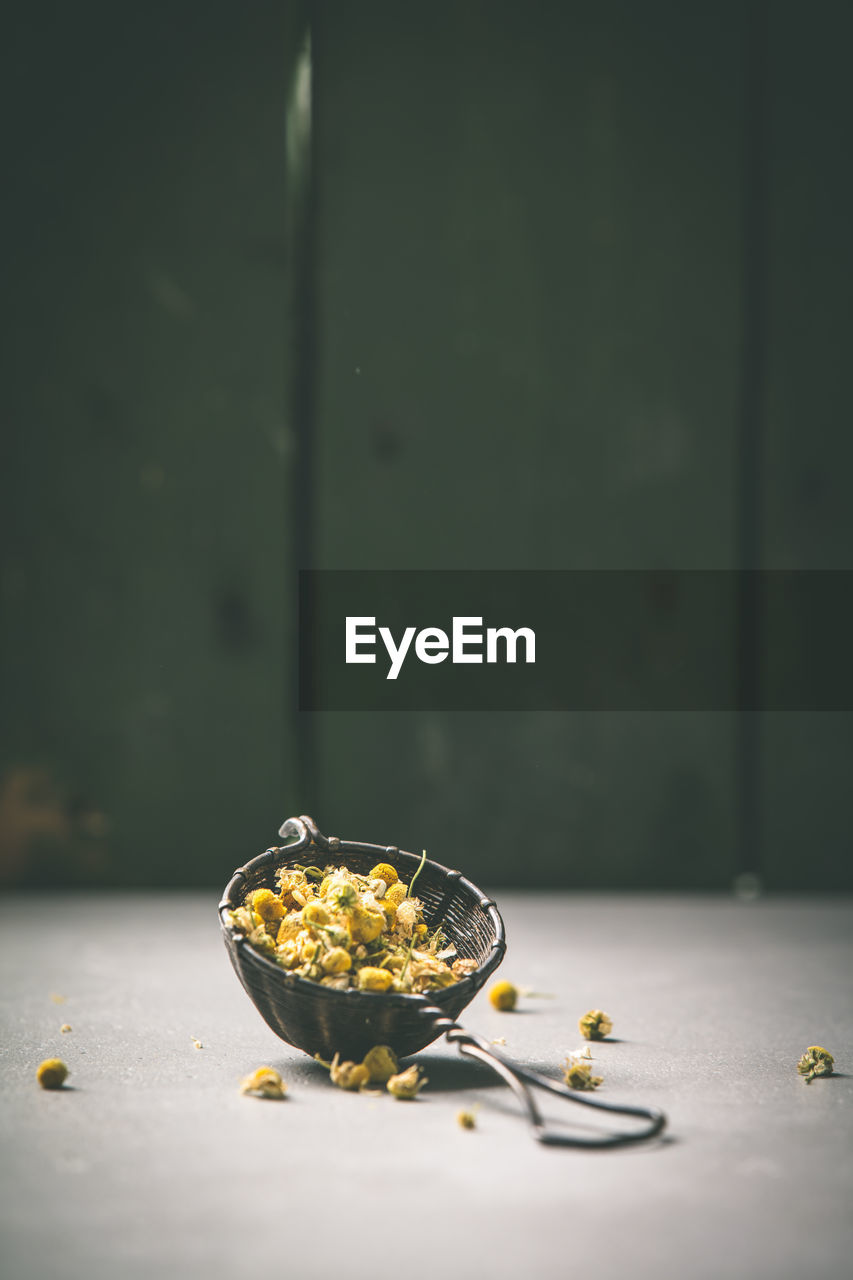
[(581, 640)]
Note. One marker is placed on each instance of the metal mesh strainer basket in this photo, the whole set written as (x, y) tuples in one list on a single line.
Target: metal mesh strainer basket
[(321, 1020)]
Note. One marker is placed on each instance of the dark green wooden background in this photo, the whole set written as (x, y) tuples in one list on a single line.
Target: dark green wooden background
[(566, 265)]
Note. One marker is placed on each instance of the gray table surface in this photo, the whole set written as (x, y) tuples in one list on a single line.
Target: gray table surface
[(152, 1163)]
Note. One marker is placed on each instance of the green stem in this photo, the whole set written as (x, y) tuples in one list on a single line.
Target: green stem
[(417, 873), (408, 958)]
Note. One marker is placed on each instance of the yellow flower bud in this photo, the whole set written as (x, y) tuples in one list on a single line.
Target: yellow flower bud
[(287, 954), (503, 996), (370, 979), (367, 925), (52, 1073), (348, 1075), (381, 1064), (315, 913), (336, 961), (407, 1084), (341, 895), (267, 905), (815, 1062), (384, 871), (307, 946), (264, 1083), (395, 893), (595, 1025), (578, 1075), (290, 927)]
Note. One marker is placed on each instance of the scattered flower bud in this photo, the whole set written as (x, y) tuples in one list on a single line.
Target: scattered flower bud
[(407, 1084), (466, 1120), (381, 1063), (504, 996), (197, 1044), (264, 1083), (815, 1062), (578, 1075), (595, 1025), (348, 1075), (52, 1073), (65, 1027)]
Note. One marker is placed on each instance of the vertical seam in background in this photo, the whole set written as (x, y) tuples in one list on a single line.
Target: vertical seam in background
[(749, 508), (302, 202)]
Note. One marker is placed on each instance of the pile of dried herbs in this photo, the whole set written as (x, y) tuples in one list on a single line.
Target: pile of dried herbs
[(346, 930)]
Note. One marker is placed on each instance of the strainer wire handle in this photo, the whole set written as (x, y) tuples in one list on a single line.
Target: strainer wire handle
[(519, 1078)]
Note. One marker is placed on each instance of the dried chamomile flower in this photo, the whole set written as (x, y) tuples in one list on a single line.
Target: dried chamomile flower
[(267, 905), (815, 1062), (264, 1083), (381, 1063), (395, 894), (347, 1075), (407, 1084), (367, 925), (308, 947), (349, 931), (341, 895), (287, 954), (314, 913), (503, 996), (595, 1025), (52, 1073), (466, 1120), (337, 935), (241, 920), (197, 1044), (462, 968), (290, 928), (578, 1075), (338, 960), (407, 915), (370, 979), (384, 871), (65, 1027), (261, 940)]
